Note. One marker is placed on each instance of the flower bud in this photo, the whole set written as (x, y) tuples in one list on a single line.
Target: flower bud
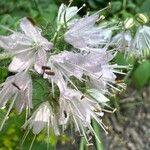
[(141, 18), (128, 23)]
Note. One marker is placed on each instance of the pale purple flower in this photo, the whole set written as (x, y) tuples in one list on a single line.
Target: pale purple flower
[(43, 118), (122, 41), (141, 42), (66, 15), (94, 65), (18, 90), (84, 34), (79, 109), (28, 47)]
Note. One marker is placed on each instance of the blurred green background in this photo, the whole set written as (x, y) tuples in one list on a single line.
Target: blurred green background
[(44, 13)]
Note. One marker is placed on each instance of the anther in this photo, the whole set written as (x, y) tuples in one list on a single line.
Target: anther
[(50, 73), (46, 68), (15, 85), (82, 97), (65, 113)]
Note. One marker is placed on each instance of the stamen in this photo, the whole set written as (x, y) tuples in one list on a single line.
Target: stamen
[(46, 68), (83, 132), (105, 8), (24, 137), (49, 73), (48, 132), (6, 28), (10, 108), (91, 128), (65, 113), (32, 142), (84, 5), (15, 85), (82, 97)]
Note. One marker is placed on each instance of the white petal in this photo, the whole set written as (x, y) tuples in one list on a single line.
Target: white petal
[(40, 61), (98, 96), (14, 42), (18, 65), (30, 30)]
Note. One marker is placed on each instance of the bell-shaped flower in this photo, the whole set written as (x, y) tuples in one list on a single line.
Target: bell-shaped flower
[(18, 90), (28, 47), (79, 109), (42, 118), (122, 41), (84, 34), (141, 42), (66, 15), (79, 65)]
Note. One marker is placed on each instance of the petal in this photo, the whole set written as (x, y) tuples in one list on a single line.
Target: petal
[(14, 42), (68, 12), (29, 29), (18, 65), (84, 23), (38, 126), (40, 61)]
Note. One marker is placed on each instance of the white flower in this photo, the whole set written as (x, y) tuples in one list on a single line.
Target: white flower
[(99, 97), (141, 42), (43, 117), (122, 41), (79, 109), (28, 47), (19, 87), (94, 65), (84, 35), (65, 15), (18, 90)]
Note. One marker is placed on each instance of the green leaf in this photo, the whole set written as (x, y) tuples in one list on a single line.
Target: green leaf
[(116, 6), (121, 60), (41, 90), (3, 74), (141, 75)]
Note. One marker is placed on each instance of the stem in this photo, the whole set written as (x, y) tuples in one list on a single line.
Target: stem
[(82, 144), (124, 4), (96, 127)]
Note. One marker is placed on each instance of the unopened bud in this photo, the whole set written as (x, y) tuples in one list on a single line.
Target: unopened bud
[(129, 23), (141, 18)]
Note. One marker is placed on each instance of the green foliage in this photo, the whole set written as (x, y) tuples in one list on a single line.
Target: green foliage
[(141, 74)]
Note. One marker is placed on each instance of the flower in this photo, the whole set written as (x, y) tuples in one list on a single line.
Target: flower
[(18, 90), (141, 42), (79, 109), (65, 15), (84, 35), (122, 41), (27, 47), (43, 117), (100, 72)]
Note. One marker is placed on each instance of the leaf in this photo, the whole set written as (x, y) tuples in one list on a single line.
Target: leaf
[(121, 60), (141, 75), (41, 90), (116, 6), (3, 74)]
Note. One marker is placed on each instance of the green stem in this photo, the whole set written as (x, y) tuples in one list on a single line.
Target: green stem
[(124, 4), (82, 144), (96, 127)]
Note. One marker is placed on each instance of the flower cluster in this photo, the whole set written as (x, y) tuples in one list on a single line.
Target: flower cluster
[(88, 63), (137, 45)]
